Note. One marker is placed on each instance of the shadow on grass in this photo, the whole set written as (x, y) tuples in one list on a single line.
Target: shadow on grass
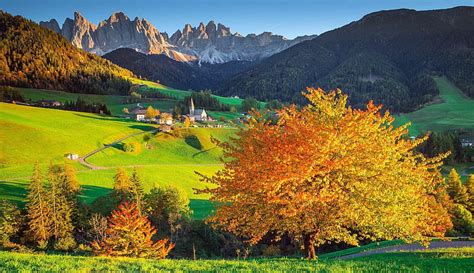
[(90, 193), (13, 191), (143, 127), (193, 141)]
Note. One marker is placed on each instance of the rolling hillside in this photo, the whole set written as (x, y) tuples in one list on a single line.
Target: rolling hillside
[(387, 56), (45, 135)]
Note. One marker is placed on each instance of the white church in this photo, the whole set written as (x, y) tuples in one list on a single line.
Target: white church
[(197, 114)]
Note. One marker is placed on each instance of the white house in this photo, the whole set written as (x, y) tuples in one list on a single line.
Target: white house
[(72, 156), (139, 114)]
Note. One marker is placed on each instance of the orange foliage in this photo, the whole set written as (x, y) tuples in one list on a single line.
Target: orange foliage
[(130, 234), (328, 173)]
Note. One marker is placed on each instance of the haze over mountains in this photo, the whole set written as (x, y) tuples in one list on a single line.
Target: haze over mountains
[(211, 43)]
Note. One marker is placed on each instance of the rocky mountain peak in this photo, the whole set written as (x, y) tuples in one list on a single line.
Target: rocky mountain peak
[(207, 43), (51, 24), (118, 17)]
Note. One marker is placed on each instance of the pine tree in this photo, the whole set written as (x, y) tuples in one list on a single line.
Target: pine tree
[(137, 191), (38, 207), (456, 190), (130, 234), (470, 192), (61, 210), (122, 185)]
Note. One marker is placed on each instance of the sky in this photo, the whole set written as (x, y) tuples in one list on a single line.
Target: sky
[(289, 18)]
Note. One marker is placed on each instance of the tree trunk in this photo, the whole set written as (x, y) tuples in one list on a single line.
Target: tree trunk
[(309, 248)]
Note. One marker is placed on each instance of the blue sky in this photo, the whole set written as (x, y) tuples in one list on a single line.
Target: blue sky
[(286, 17)]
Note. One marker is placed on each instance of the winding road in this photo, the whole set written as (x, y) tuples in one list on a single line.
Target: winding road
[(83, 161), (411, 248)]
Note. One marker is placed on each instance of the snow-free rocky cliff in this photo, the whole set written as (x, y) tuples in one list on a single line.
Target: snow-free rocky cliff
[(209, 43)]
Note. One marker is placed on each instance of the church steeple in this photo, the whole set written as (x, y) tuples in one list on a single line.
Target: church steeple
[(191, 108)]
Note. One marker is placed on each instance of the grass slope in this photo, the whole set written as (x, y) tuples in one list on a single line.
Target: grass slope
[(455, 112), (444, 260), (37, 134)]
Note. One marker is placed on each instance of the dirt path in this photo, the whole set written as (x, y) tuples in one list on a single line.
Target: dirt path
[(83, 161), (411, 247)]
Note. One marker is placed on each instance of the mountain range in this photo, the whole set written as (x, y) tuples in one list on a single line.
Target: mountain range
[(387, 56), (210, 43)]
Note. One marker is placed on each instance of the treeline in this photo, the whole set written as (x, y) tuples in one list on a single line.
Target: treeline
[(81, 105), (8, 94), (125, 222), (32, 56), (442, 142)]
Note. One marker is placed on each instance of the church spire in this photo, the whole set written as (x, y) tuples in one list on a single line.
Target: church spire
[(191, 108)]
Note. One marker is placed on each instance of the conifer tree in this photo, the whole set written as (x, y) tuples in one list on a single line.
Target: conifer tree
[(38, 208), (456, 190), (137, 192), (61, 210), (470, 192), (130, 234), (122, 185)]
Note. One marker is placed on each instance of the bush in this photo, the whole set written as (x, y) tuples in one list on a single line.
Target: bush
[(10, 221), (133, 147)]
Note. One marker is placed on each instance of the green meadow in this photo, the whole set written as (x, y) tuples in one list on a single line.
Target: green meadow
[(456, 111), (44, 135), (441, 260)]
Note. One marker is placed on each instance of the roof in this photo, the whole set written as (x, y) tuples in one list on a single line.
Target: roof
[(139, 112), (199, 112)]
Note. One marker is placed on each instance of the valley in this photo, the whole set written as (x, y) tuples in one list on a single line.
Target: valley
[(125, 148)]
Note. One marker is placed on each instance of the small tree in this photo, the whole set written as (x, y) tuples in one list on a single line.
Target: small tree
[(470, 192), (137, 190), (125, 111), (130, 234), (122, 184), (167, 207), (10, 221), (151, 113), (187, 122), (38, 209), (456, 190)]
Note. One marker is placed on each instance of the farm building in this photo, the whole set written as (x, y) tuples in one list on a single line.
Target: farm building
[(71, 156)]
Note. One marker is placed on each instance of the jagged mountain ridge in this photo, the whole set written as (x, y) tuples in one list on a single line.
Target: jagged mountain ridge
[(209, 43)]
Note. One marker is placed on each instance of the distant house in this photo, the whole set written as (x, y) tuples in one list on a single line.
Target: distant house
[(72, 156), (138, 113), (49, 103), (465, 143), (165, 118), (165, 128)]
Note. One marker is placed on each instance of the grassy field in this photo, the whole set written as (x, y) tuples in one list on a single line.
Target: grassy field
[(44, 135), (455, 112), (445, 260)]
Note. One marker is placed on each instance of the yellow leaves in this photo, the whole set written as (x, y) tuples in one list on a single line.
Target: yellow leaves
[(327, 170)]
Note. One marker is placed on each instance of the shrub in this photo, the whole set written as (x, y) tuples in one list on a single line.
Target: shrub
[(130, 234), (133, 147)]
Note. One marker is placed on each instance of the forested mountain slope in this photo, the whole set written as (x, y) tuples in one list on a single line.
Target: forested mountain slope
[(387, 56)]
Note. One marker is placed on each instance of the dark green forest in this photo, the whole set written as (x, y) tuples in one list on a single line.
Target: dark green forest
[(387, 56)]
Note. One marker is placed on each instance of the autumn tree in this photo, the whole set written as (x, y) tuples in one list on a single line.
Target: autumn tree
[(151, 113), (130, 234), (10, 221), (327, 173), (456, 190), (61, 208), (122, 185), (136, 190), (187, 122), (38, 209), (470, 191)]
